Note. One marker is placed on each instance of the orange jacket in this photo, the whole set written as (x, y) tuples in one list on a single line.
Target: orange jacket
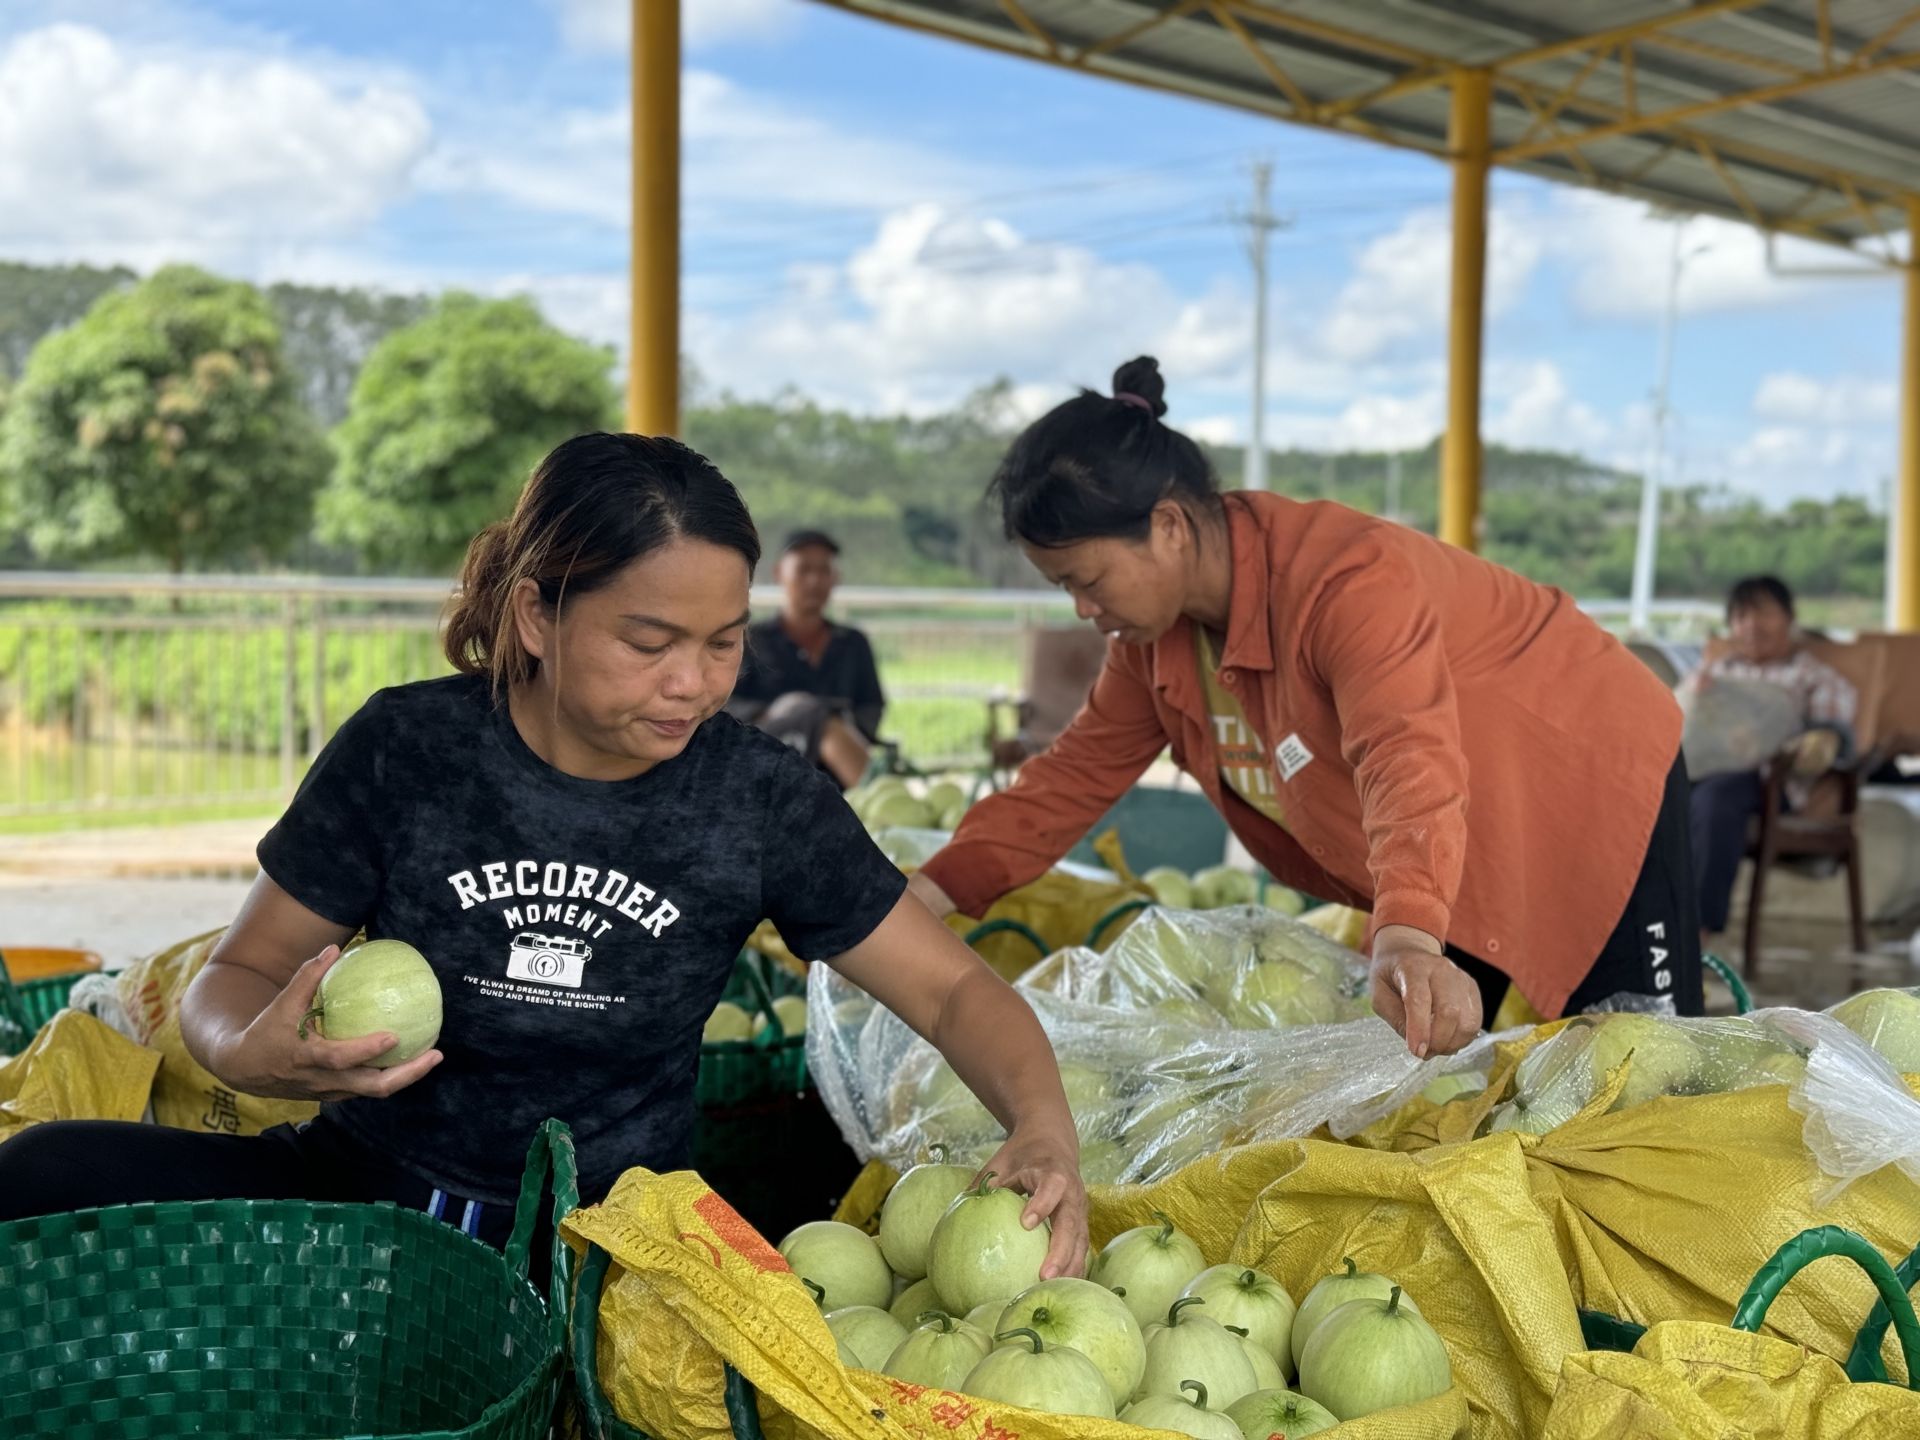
[(1487, 762)]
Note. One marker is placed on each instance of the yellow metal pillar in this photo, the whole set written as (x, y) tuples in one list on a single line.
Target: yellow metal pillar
[(1906, 500), (653, 353), (1467, 139)]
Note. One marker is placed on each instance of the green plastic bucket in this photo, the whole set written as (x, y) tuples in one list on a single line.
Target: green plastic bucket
[(236, 1319)]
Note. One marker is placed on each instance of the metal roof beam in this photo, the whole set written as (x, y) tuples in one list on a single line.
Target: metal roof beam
[(1681, 114), (1690, 83)]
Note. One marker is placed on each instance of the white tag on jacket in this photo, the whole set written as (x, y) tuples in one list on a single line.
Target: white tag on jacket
[(1292, 757)]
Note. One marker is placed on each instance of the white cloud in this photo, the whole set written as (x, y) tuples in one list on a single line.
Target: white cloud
[(1535, 409), (604, 25), (935, 304), (1401, 282), (114, 153), (751, 165), (1621, 257), (1787, 396)]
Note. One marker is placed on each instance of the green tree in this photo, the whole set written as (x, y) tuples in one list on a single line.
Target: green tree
[(447, 417), (163, 423)]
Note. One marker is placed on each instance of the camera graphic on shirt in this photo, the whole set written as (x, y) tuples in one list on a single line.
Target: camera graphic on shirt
[(548, 959)]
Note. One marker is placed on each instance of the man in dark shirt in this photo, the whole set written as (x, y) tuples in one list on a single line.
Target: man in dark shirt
[(807, 681)]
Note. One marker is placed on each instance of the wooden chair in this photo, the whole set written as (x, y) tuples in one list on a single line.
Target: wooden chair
[(1826, 832), (1885, 671)]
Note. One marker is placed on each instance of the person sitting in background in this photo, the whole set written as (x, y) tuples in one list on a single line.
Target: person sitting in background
[(808, 682), (1766, 655)]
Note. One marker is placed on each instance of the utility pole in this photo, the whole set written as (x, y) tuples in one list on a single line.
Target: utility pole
[(1261, 222), (1646, 542)]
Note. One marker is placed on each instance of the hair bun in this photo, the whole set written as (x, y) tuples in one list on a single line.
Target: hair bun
[(1142, 377)]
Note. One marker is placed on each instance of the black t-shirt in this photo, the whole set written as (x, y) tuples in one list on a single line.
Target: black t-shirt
[(775, 666), (582, 930)]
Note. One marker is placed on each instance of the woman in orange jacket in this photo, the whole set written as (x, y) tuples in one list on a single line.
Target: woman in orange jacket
[(1383, 720)]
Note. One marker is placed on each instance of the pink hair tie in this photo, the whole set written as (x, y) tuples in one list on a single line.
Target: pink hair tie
[(1127, 397)]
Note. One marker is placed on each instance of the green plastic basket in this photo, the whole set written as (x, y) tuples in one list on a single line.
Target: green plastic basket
[(26, 1005), (1607, 1332), (236, 1319), (596, 1411), (772, 1063)]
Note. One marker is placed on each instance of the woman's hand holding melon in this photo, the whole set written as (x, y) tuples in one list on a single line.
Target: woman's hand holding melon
[(272, 1058)]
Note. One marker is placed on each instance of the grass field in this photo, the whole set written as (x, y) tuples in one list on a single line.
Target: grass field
[(152, 718)]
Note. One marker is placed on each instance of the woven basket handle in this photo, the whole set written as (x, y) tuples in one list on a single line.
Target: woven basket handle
[(1865, 1363), (1119, 912), (999, 927), (1817, 1244), (550, 1158), (1742, 998)]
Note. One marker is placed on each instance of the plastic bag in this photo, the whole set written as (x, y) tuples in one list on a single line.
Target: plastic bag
[(99, 996), (186, 1095), (1669, 1056), (701, 1287), (75, 1069), (1733, 725), (1148, 1098), (1860, 1113)]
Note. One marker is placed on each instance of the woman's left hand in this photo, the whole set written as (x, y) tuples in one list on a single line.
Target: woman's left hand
[(1047, 1172)]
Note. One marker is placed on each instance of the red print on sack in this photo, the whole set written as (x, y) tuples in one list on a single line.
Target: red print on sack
[(953, 1412), (737, 1235), (991, 1431), (904, 1391)]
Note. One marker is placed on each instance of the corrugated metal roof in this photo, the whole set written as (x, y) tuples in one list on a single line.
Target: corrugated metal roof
[(1799, 116)]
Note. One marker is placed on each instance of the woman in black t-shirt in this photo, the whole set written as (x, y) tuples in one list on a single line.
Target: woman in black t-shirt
[(575, 781)]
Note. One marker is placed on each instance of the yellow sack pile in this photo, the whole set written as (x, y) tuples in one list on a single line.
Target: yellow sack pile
[(701, 1289), (1689, 1380), (186, 1095), (75, 1069)]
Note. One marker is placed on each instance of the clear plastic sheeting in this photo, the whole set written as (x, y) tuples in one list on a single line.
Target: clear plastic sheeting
[(1667, 1055), (1174, 1044), (1733, 725), (1860, 1113), (1244, 967)]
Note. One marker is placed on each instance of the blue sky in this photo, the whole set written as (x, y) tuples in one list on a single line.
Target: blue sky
[(886, 221)]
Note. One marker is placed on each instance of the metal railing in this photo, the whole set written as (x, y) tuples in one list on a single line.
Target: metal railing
[(176, 698), (173, 698)]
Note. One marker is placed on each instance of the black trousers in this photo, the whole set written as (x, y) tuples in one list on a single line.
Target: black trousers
[(1723, 808), (1654, 950)]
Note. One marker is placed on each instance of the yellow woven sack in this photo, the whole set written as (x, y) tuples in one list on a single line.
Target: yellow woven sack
[(701, 1287), (1691, 1380), (1665, 1211), (77, 1068), (186, 1095), (1457, 1227)]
